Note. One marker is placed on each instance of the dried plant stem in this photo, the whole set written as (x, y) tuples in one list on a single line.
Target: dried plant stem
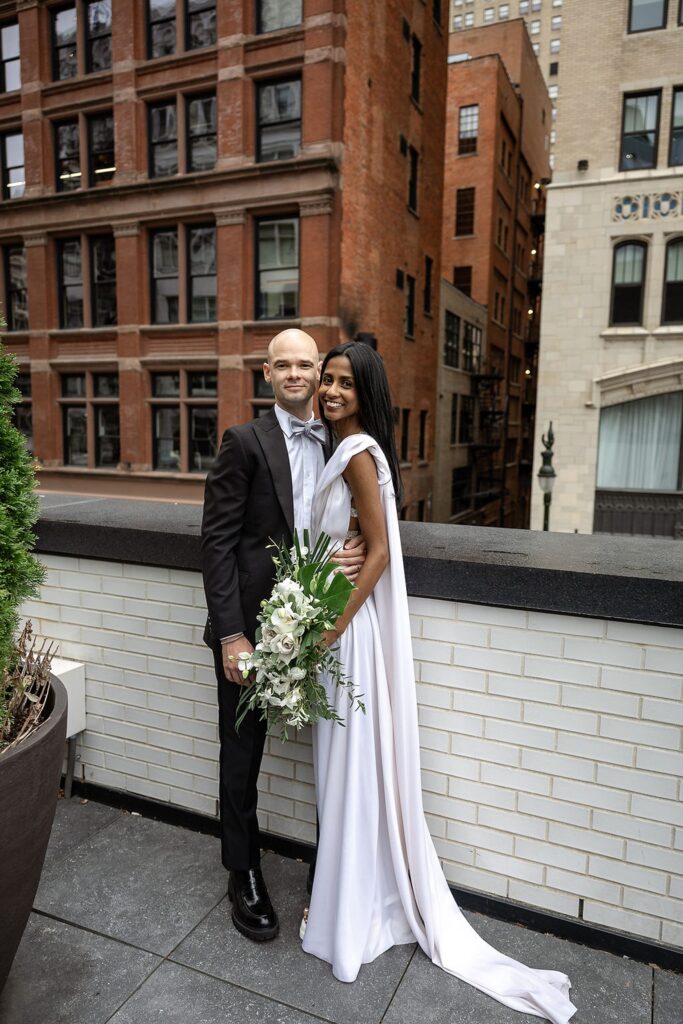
[(26, 685)]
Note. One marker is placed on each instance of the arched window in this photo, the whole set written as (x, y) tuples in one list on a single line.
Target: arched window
[(628, 278), (673, 283)]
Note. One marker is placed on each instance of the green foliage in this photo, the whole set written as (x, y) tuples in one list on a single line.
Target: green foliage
[(20, 572)]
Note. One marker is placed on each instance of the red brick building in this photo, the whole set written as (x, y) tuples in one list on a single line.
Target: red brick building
[(183, 178), (496, 167)]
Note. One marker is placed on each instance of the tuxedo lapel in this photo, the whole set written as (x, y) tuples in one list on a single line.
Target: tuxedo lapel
[(274, 447)]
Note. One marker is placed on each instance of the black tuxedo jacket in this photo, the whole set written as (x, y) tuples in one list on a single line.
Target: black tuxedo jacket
[(247, 502)]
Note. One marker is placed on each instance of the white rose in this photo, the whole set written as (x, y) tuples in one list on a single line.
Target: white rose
[(286, 620), (286, 645), (288, 588)]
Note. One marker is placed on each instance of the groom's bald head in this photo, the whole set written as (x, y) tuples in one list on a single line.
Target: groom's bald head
[(292, 339)]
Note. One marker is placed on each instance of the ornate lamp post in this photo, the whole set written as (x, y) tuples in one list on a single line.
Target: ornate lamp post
[(546, 474)]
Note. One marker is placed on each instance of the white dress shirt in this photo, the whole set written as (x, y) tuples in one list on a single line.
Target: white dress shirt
[(306, 462)]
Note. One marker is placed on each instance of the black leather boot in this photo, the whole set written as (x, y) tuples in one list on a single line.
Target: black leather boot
[(252, 911)]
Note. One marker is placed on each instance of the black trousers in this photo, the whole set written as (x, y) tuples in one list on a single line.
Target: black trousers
[(240, 763)]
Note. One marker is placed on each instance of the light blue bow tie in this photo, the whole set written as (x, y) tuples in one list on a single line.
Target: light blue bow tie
[(314, 429)]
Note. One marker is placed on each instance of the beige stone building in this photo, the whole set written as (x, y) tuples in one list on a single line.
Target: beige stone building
[(611, 358), (544, 20), (462, 330)]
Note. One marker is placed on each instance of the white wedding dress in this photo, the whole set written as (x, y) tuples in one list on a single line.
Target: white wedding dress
[(378, 881)]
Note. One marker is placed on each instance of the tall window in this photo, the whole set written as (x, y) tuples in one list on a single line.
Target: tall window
[(461, 491), (462, 279), (277, 268), (10, 64), (12, 165), (640, 131), (647, 14), (427, 296), (275, 14), (279, 119), (103, 280), (468, 129), (464, 211), (161, 28), (639, 444), (16, 288), (628, 278), (454, 418), (673, 283), (184, 420), (98, 35), (90, 397), (404, 447), (676, 147), (466, 420), (165, 291), (201, 132), (471, 348), (163, 139), (201, 264), (101, 160), (68, 155), (414, 157), (410, 306), (70, 283), (22, 412), (200, 29), (451, 339), (416, 69), (422, 436), (64, 52)]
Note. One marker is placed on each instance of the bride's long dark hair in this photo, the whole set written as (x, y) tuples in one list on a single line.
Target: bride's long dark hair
[(375, 411)]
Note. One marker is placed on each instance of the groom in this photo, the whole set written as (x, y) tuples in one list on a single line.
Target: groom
[(259, 489)]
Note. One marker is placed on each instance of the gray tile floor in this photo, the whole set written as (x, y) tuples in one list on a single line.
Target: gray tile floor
[(131, 925)]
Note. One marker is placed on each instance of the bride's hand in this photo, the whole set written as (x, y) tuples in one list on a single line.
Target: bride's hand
[(330, 637)]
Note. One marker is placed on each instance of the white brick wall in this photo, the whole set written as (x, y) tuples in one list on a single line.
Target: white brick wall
[(551, 745)]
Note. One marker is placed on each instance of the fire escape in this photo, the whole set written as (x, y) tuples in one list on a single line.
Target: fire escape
[(487, 451)]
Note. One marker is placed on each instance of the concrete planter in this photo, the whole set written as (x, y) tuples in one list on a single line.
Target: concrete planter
[(29, 782)]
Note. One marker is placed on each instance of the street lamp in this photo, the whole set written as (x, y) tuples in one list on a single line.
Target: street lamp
[(546, 474)]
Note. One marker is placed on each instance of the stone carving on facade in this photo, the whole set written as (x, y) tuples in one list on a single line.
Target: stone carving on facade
[(648, 206), (316, 206), (225, 218)]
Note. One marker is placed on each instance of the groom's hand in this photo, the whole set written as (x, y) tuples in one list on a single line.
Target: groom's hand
[(351, 557), (231, 652)]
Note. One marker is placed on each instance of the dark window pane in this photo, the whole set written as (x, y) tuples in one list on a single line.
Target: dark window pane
[(462, 279), (165, 277), (165, 385), (461, 496), (673, 287), (466, 427), (65, 62), (452, 339), (103, 253), (107, 446), (163, 136), (203, 423), (68, 146), (262, 388), (412, 181), (75, 435), (98, 30), (627, 283), (201, 23), (405, 434), (106, 385), (22, 417), (676, 154), (10, 69), (415, 70), (202, 384), (410, 306), (13, 176), (202, 268), (101, 148), (464, 211), (639, 141), (647, 14), (279, 112), (17, 293), (427, 298), (278, 268), (73, 385), (471, 348), (161, 27), (468, 129), (274, 14), (71, 283), (166, 437), (201, 119)]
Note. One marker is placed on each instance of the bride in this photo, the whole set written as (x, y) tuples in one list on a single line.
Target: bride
[(378, 881)]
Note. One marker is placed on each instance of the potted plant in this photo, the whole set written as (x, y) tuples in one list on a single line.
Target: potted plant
[(32, 702)]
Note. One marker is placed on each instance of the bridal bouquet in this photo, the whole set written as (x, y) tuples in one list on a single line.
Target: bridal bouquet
[(307, 599)]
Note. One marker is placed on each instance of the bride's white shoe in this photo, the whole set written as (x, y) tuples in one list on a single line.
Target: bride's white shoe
[(304, 922)]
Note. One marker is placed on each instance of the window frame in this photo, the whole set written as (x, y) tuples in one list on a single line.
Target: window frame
[(61, 285), (4, 61), (54, 49), (451, 342), (151, 145), (635, 95), (651, 28), (91, 239), (468, 144), (148, 31), (458, 215), (675, 241), (413, 178), (677, 91), (56, 125), (88, 39), (190, 98), (185, 402), (189, 228), (409, 319), (260, 30), (427, 305), (264, 83), (91, 403), (5, 191), (415, 69), (7, 249), (621, 244), (258, 221), (94, 182), (152, 234), (209, 5)]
